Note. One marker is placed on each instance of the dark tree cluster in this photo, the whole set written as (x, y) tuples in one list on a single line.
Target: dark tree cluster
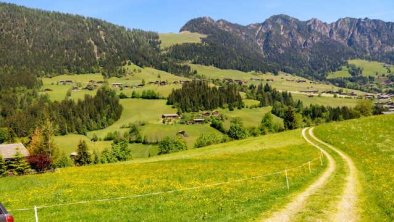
[(268, 95), (50, 43), (198, 95), (22, 112)]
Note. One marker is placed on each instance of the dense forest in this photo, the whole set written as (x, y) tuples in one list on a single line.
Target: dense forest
[(48, 43), (198, 95), (22, 111)]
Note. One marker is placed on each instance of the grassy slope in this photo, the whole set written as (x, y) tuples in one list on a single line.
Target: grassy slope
[(370, 68), (170, 39), (240, 201), (249, 117), (135, 110), (369, 141), (135, 75), (281, 81), (327, 101)]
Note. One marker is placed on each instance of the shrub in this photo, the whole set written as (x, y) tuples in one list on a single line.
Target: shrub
[(40, 162), (171, 145), (208, 139), (3, 167), (218, 124), (122, 96), (237, 130), (64, 161)]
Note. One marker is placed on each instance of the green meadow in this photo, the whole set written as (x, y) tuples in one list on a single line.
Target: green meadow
[(326, 100), (173, 187), (369, 142), (171, 39), (282, 81), (370, 68)]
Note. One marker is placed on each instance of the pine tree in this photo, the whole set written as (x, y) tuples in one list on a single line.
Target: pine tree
[(84, 157), (3, 167), (18, 165)]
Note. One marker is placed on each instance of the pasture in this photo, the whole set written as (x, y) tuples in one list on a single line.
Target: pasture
[(171, 39), (325, 100), (172, 187), (137, 110), (282, 81), (369, 142), (369, 68)]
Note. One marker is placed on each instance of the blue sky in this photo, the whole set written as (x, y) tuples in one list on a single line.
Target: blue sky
[(170, 15)]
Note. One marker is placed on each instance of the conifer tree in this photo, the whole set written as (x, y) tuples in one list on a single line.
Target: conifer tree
[(84, 157), (3, 167), (18, 165)]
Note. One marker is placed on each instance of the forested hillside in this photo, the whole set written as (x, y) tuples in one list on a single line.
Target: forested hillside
[(48, 43)]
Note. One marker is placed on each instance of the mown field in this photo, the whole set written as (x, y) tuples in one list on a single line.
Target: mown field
[(135, 75), (325, 100), (166, 176), (282, 81), (170, 39), (370, 68), (369, 142)]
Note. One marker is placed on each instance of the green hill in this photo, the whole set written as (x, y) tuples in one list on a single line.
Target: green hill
[(214, 183), (369, 141)]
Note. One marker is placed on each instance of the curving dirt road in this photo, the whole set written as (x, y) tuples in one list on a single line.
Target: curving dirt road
[(346, 208)]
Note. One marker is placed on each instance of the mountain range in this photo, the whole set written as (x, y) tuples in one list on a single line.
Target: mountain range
[(308, 47), (48, 43)]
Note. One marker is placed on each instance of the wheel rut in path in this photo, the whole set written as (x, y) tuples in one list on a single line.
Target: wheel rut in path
[(292, 208)]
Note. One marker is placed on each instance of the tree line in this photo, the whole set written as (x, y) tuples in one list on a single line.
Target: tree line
[(198, 95), (22, 112)]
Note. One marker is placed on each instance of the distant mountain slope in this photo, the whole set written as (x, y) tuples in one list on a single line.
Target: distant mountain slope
[(49, 42), (308, 48)]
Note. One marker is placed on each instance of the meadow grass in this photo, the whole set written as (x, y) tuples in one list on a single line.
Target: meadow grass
[(251, 117), (156, 132), (369, 142), (325, 100), (370, 68), (282, 81), (235, 201), (171, 39), (137, 110)]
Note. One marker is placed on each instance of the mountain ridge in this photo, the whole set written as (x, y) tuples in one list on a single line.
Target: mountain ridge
[(318, 47)]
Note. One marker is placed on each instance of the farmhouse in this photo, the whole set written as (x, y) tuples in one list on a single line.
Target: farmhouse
[(8, 151), (310, 91), (117, 85), (198, 121), (170, 116), (65, 82)]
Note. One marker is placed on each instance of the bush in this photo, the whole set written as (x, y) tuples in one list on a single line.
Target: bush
[(3, 167), (150, 94), (40, 162), (171, 145), (237, 130), (208, 139), (64, 161), (218, 124), (123, 96)]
